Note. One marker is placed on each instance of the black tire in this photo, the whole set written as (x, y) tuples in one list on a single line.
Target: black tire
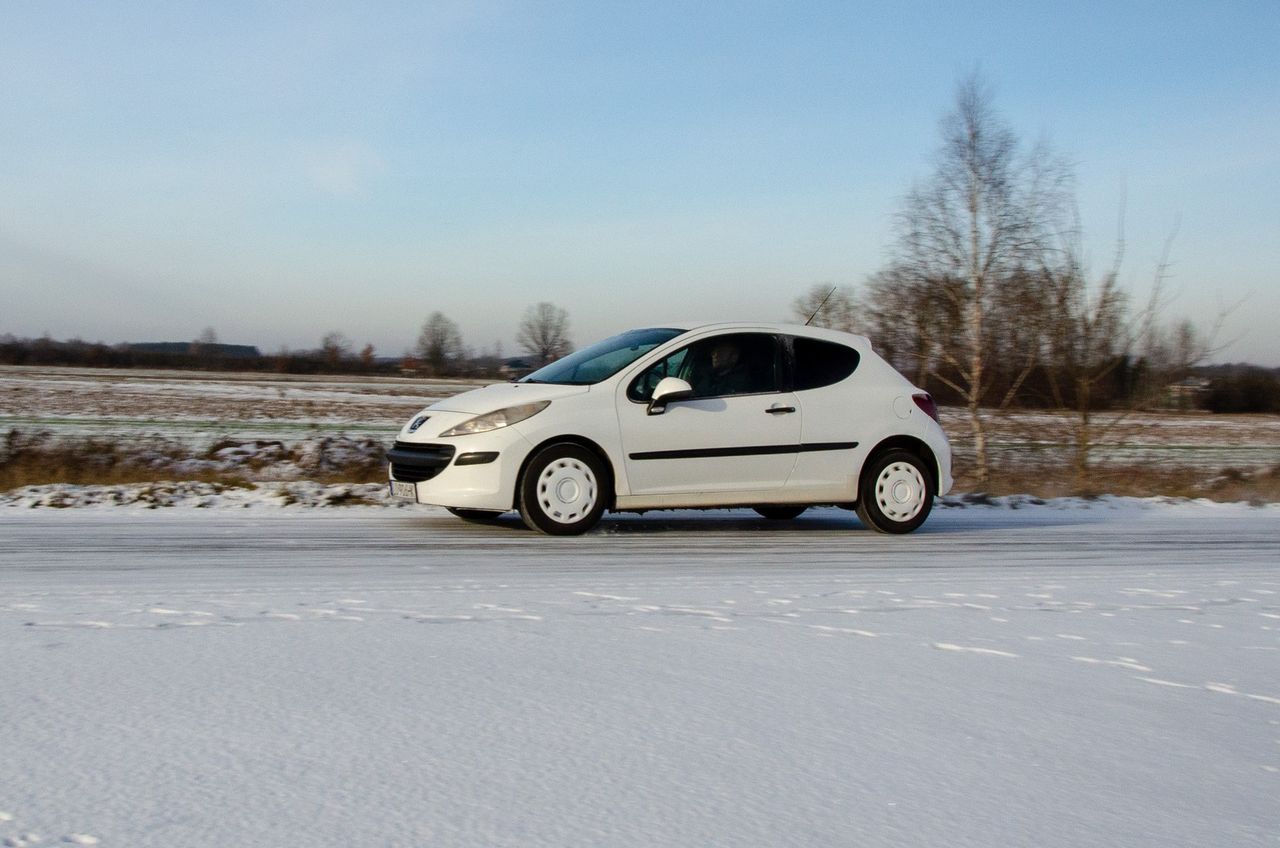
[(478, 516), (896, 492), (563, 490), (781, 512)]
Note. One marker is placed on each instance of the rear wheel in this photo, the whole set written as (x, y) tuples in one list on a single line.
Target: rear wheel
[(562, 491), (896, 493), (479, 516), (781, 512)]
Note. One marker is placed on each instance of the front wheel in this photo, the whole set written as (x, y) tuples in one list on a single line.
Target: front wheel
[(896, 492), (562, 490)]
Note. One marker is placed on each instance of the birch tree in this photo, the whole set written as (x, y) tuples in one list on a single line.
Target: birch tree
[(972, 229)]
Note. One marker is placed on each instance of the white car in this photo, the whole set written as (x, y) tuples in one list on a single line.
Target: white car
[(769, 416)]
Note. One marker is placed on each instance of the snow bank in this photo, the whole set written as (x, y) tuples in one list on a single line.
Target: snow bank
[(981, 499), (173, 458), (306, 494), (195, 495)]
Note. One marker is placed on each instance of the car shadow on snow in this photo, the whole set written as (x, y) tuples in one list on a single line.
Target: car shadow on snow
[(944, 521)]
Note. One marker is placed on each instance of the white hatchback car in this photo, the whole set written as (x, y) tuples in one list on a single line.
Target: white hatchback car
[(774, 417)]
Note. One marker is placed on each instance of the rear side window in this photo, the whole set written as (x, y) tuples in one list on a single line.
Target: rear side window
[(819, 363)]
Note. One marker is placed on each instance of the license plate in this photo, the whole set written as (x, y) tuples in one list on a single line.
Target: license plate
[(403, 490)]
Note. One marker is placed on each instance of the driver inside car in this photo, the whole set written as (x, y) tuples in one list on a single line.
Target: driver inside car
[(725, 374)]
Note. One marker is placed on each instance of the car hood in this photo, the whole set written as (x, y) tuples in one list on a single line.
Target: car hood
[(502, 395)]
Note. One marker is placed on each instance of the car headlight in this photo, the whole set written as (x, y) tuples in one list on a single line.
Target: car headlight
[(494, 420)]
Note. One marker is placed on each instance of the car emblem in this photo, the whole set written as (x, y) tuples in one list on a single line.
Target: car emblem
[(418, 422)]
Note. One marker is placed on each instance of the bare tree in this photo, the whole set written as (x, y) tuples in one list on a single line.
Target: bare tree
[(978, 222), (367, 356), (1089, 337), (833, 307), (334, 347), (440, 344), (1095, 333), (909, 318), (544, 332)]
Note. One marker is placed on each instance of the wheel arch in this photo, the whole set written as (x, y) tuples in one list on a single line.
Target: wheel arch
[(912, 445), (580, 441)]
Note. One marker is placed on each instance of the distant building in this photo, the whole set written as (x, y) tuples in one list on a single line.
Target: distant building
[(1186, 394)]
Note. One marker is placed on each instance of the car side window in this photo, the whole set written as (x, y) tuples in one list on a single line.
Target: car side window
[(821, 363), (730, 364), (641, 388)]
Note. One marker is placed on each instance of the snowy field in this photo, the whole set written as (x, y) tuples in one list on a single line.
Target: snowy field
[(201, 408), (1066, 674), (201, 411)]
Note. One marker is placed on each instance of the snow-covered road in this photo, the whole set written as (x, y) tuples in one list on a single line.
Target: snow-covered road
[(1039, 676)]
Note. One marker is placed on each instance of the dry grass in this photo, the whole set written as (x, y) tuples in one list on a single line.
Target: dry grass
[(94, 462), (28, 459), (103, 463), (1228, 485), (38, 460), (66, 467)]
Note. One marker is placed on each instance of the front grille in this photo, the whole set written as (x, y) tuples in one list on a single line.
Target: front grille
[(410, 474), (413, 463)]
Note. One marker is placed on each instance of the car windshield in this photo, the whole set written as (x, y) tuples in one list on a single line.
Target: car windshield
[(603, 359)]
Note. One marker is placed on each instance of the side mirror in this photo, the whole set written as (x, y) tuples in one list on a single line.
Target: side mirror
[(668, 389)]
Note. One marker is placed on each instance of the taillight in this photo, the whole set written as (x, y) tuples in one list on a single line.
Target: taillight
[(927, 405)]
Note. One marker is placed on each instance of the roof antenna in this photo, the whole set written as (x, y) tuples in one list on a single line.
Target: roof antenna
[(820, 305)]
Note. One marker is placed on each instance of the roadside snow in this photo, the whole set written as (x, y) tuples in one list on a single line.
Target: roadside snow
[(295, 493)]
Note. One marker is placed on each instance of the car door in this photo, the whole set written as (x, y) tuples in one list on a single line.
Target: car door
[(738, 432)]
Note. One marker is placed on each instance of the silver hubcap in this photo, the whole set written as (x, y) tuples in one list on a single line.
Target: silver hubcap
[(567, 490), (900, 491)]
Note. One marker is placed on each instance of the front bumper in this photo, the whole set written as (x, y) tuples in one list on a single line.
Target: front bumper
[(469, 472)]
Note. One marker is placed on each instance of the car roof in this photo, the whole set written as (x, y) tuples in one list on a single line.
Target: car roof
[(772, 327)]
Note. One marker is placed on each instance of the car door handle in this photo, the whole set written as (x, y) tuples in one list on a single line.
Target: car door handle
[(780, 410)]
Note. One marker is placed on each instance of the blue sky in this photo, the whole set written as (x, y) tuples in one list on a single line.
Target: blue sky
[(277, 170)]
